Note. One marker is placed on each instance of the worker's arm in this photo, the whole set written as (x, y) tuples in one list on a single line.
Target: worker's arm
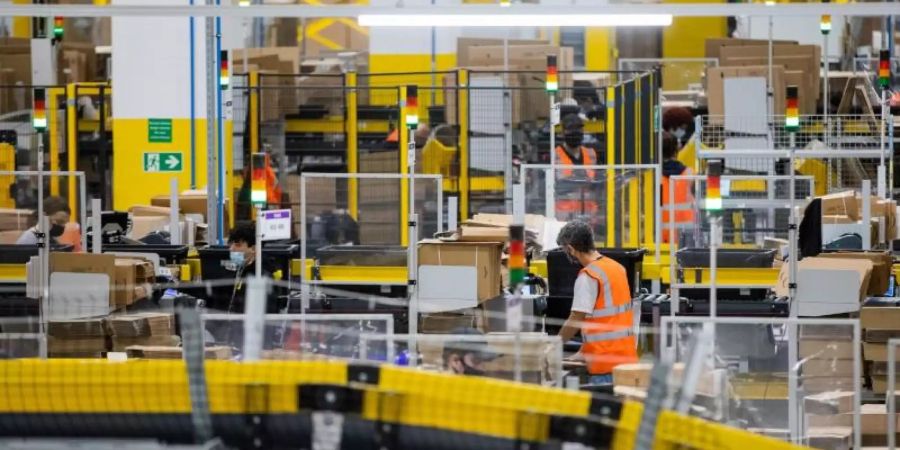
[(572, 325)]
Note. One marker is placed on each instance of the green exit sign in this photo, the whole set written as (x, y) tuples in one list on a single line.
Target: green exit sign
[(163, 162)]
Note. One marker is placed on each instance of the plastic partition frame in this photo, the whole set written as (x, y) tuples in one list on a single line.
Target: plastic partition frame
[(776, 204), (516, 339), (358, 176), (312, 317), (657, 172), (81, 184), (791, 324)]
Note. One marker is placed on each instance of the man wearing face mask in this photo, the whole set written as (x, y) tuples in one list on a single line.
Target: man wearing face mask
[(601, 305), (572, 198), (242, 248), (61, 231)]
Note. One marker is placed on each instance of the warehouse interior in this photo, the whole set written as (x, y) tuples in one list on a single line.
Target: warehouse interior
[(447, 224)]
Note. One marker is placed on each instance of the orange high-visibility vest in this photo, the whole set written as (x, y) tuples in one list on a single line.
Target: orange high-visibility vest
[(71, 236), (608, 331), (575, 205), (587, 159), (683, 206)]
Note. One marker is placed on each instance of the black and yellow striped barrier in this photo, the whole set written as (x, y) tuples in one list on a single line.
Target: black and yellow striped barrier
[(272, 400)]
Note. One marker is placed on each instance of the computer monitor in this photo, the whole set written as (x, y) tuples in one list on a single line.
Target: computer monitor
[(170, 254), (21, 254)]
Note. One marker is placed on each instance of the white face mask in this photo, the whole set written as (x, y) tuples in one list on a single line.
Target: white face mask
[(679, 133), (237, 258)]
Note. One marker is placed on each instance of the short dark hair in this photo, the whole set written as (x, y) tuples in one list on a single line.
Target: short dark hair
[(578, 234), (669, 145), (53, 205), (245, 232)]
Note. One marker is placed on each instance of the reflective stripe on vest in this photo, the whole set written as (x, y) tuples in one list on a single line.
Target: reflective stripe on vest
[(610, 336), (607, 293), (610, 311)]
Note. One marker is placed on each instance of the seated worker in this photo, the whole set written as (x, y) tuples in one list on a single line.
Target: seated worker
[(570, 199), (683, 208), (466, 357), (601, 305), (242, 248), (61, 232)]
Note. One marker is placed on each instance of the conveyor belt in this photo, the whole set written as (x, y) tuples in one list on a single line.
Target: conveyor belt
[(385, 407)]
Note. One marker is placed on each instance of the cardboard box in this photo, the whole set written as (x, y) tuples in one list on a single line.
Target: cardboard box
[(715, 85), (880, 318), (880, 336), (464, 46), (121, 344), (143, 225), (881, 368), (76, 328), (873, 419), (16, 219), (445, 323), (827, 383), (86, 263), (131, 273), (484, 256), (863, 267), (141, 325), (882, 263), (835, 438), (713, 47), (840, 204), (57, 345), (836, 367), (219, 352), (835, 402), (829, 420), (876, 352), (483, 234), (826, 349), (193, 203)]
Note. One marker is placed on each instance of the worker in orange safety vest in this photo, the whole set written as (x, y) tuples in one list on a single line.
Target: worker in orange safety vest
[(601, 305), (678, 217), (572, 201)]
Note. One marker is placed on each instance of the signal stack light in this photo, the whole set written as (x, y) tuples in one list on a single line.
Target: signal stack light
[(40, 110), (58, 28), (713, 185), (516, 260), (412, 106), (825, 24), (792, 110), (224, 78), (552, 74), (258, 166), (884, 69)]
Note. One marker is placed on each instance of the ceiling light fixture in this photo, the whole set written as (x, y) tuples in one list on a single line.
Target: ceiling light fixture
[(514, 20)]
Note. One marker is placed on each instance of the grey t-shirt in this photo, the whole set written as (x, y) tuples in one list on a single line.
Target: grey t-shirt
[(585, 295), (27, 238)]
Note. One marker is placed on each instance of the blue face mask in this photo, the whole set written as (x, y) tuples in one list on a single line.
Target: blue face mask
[(237, 258)]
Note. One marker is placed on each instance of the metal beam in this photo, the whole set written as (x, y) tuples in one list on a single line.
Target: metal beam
[(675, 9)]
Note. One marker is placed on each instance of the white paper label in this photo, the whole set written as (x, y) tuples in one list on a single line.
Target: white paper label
[(276, 225), (554, 114)]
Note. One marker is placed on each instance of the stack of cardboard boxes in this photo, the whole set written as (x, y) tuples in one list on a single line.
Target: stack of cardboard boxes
[(527, 63), (77, 338), (826, 353), (879, 323), (13, 222), (846, 208), (155, 329), (793, 65), (220, 352), (128, 277)]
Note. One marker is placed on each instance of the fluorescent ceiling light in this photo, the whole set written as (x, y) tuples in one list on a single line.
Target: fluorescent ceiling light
[(515, 20)]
